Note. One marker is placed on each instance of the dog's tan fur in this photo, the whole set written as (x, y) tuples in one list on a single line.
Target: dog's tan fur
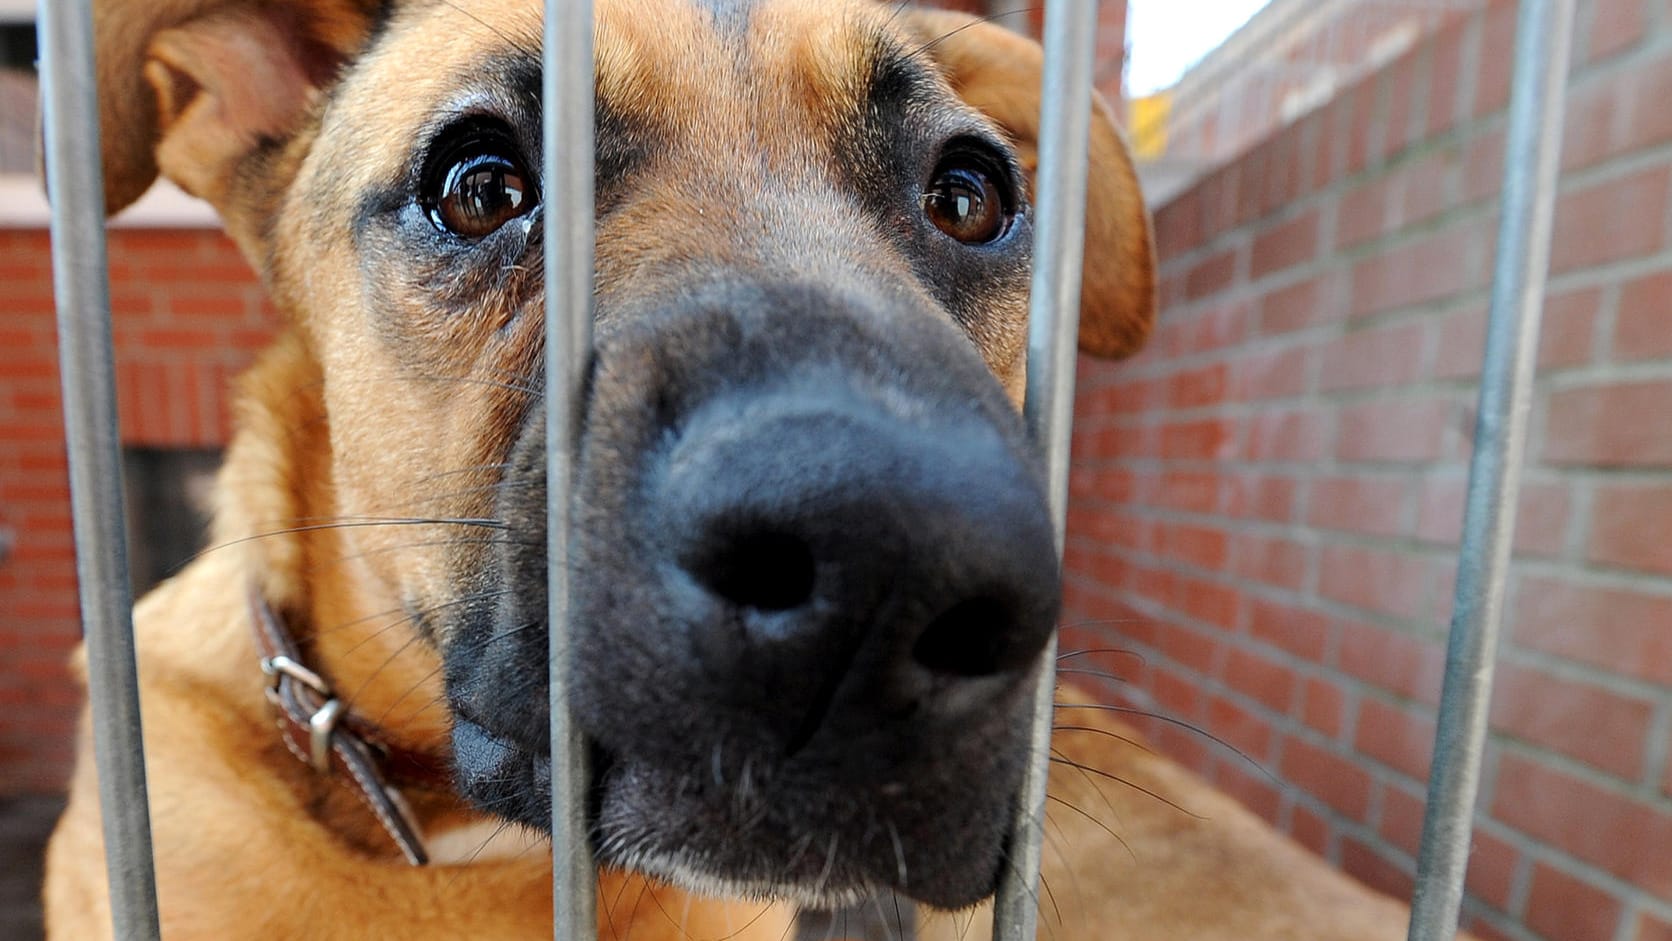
[(251, 844)]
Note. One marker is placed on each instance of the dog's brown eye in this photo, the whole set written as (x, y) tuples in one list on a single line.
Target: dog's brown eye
[(479, 194), (964, 202)]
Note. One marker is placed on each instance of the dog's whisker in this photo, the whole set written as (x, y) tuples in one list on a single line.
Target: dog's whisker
[(1092, 651), (1098, 823), (976, 22), (423, 544), (518, 44), (1057, 757), (899, 855), (487, 468), (1135, 743), (1100, 674), (352, 524), (1198, 730)]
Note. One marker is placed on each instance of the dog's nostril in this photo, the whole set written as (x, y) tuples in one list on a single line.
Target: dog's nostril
[(766, 571), (970, 639)]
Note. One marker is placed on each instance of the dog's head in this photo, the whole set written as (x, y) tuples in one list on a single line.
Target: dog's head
[(812, 560)]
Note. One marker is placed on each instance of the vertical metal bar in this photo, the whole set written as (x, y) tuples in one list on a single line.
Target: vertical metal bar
[(567, 140), (1053, 328), (1531, 164), (81, 289)]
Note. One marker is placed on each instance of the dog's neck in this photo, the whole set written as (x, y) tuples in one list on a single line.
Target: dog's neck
[(277, 507)]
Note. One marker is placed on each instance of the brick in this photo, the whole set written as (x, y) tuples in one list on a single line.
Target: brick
[(1629, 525), (1268, 497), (1177, 693), (1327, 776), (1615, 833), (1568, 336), (1611, 221), (1419, 272), (1299, 305), (1284, 245), (1363, 213), (1375, 579), (1402, 811), (1650, 928), (1396, 737), (1260, 678), (1278, 562), (1212, 602), (1211, 275), (1588, 134), (1647, 123), (1311, 830), (1399, 663), (1375, 869), (1288, 436), (1249, 788), (1215, 327), (1323, 706), (1492, 868), (1371, 506), (1298, 630), (1205, 440), (1483, 166), (1602, 728), (1443, 83), (1496, 47), (1400, 431), (1369, 358), (1643, 329), (1461, 345), (1616, 25), (1246, 731), (1193, 545), (1194, 388), (1273, 373), (1625, 424), (1560, 905), (1617, 629), (1426, 186), (1188, 647)]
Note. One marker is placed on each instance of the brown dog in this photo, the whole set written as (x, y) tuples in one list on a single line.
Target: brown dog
[(814, 563)]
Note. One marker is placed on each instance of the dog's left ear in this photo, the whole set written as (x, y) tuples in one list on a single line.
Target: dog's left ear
[(208, 91), (997, 72)]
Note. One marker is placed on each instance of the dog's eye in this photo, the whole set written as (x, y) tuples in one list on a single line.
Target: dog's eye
[(965, 202), (479, 192)]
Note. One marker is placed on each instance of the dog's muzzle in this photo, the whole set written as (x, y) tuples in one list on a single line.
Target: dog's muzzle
[(812, 569)]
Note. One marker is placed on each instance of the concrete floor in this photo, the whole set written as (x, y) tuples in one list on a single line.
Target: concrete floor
[(24, 825)]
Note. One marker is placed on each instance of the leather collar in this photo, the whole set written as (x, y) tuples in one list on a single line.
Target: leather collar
[(317, 727)]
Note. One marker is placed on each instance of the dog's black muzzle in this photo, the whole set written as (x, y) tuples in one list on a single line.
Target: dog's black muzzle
[(812, 567)]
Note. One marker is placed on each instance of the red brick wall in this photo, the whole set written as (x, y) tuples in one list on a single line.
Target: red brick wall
[(1266, 504), (188, 317)]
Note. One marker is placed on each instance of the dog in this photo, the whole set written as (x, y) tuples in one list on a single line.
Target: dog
[(812, 561)]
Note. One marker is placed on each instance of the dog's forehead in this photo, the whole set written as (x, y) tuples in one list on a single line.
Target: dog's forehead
[(693, 69)]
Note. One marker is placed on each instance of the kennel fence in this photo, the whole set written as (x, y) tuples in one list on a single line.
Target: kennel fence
[(71, 119)]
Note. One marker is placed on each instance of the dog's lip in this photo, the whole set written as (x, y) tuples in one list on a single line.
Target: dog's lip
[(485, 761)]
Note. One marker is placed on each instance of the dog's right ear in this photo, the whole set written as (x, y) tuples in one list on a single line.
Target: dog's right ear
[(195, 88)]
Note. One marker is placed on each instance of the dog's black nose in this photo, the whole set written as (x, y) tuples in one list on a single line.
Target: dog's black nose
[(853, 560)]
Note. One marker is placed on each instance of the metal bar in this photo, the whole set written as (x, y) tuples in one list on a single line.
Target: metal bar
[(81, 289), (1053, 329), (567, 140), (1531, 164)]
